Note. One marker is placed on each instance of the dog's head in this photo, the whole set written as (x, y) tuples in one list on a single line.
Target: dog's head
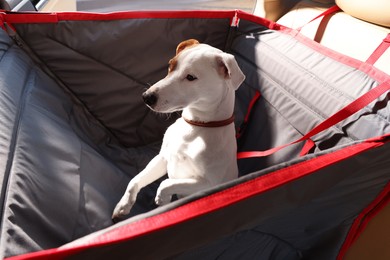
[(199, 76)]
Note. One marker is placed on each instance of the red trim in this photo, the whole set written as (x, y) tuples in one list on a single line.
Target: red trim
[(364, 218), (210, 203), (385, 44), (12, 17)]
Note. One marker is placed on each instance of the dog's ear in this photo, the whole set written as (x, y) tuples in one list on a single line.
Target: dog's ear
[(185, 44), (228, 68)]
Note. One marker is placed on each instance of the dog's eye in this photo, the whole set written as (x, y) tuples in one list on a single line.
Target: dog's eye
[(189, 77)]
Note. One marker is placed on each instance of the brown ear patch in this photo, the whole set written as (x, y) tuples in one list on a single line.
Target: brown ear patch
[(186, 44), (183, 45)]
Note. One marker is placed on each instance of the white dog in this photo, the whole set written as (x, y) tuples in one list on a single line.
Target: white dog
[(199, 149)]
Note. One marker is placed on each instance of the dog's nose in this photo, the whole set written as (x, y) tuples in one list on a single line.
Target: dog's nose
[(149, 98)]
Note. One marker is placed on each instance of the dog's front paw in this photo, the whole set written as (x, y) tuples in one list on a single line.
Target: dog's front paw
[(162, 200), (120, 212), (122, 209), (164, 193)]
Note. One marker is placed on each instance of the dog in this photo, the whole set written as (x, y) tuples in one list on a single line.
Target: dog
[(199, 149)]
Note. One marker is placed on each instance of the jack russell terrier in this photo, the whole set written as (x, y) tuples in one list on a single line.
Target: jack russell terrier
[(199, 149)]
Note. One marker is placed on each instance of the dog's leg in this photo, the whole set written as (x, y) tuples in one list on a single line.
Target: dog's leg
[(179, 187), (156, 168)]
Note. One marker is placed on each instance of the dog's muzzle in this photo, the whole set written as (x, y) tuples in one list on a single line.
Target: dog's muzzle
[(150, 99)]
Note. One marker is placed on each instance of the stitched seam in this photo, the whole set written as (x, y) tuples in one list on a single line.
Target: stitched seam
[(29, 83), (321, 82), (46, 70), (99, 62)]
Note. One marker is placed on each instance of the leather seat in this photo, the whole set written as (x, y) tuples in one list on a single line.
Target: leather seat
[(356, 31)]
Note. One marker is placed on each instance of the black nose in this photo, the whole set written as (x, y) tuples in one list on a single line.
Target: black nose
[(149, 98)]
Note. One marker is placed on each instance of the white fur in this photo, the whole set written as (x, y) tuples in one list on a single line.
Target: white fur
[(194, 157)]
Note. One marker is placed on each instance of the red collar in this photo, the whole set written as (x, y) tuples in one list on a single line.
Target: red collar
[(211, 123)]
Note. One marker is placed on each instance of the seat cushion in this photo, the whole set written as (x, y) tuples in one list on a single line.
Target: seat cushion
[(340, 32)]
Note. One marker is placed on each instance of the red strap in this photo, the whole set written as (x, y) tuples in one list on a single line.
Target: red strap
[(309, 144), (251, 104), (329, 11), (344, 113), (248, 113), (385, 44)]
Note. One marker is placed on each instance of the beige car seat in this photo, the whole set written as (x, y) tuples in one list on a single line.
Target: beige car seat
[(345, 32)]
